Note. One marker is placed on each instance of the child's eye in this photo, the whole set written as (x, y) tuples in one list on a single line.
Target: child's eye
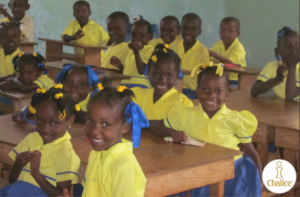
[(218, 91), (89, 121), (105, 124), (205, 89), (54, 123), (169, 76), (29, 73), (156, 75), (38, 121)]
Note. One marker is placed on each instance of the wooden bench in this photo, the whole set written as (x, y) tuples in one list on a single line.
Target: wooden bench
[(19, 99), (27, 46)]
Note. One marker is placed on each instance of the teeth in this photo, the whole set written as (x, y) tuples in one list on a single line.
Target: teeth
[(161, 87), (210, 103), (97, 141)]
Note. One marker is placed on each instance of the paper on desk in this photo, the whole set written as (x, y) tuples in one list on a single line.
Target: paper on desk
[(190, 141)]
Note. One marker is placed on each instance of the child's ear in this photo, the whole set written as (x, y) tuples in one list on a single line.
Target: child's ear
[(27, 6), (200, 31), (226, 94), (276, 50), (126, 128), (238, 33), (8, 5), (71, 120)]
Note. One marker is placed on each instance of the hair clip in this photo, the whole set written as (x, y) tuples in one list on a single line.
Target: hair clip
[(21, 54), (281, 33), (167, 46), (41, 90), (165, 50), (100, 86), (5, 20), (59, 95), (220, 69), (121, 88), (154, 58), (31, 109), (62, 115), (58, 86), (77, 107), (199, 68), (34, 54)]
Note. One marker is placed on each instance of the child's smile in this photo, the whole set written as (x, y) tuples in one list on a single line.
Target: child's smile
[(10, 38), (28, 72), (190, 30), (168, 31), (116, 30)]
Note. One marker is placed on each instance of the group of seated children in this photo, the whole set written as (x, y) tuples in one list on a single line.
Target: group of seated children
[(45, 162)]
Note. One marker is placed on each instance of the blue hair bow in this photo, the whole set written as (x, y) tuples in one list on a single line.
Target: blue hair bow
[(281, 33), (135, 115), (60, 75), (147, 74), (154, 30), (128, 32), (23, 116), (93, 79)]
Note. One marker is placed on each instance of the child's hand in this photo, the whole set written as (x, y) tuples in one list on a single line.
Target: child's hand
[(280, 73), (294, 58), (136, 46), (115, 62), (179, 136), (35, 160), (16, 117), (22, 159), (2, 9), (79, 34), (65, 193)]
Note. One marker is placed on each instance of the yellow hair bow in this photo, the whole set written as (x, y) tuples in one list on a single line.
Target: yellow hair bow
[(220, 69), (5, 20), (41, 90), (121, 88), (34, 54), (167, 46), (137, 19), (59, 95), (21, 53), (165, 50), (58, 86), (31, 109), (100, 86), (62, 115), (154, 58), (200, 67), (77, 107)]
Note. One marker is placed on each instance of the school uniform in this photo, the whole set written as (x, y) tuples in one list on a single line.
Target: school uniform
[(270, 72), (226, 128), (83, 104), (236, 53), (6, 63), (44, 82), (59, 163), (114, 172), (172, 45), (159, 109)]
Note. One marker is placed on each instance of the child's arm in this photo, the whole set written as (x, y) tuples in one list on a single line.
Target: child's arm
[(219, 57), (79, 34), (5, 13), (291, 89), (21, 161), (250, 150), (136, 47), (260, 87), (15, 84), (116, 63), (2, 79)]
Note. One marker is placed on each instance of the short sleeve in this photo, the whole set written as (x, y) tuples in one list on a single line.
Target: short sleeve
[(175, 117), (83, 104), (67, 165), (247, 127), (103, 37), (205, 56), (27, 27), (69, 30), (44, 82), (267, 73), (23, 146), (145, 56), (186, 101), (237, 55)]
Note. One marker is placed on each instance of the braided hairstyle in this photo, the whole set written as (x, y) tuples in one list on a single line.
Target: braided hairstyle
[(64, 103), (36, 58), (4, 26), (284, 33), (212, 70)]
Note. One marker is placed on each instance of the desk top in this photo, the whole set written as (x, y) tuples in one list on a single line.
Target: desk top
[(16, 95), (24, 43), (269, 110), (74, 44), (240, 70)]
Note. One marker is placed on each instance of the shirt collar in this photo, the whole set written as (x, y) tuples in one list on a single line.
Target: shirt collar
[(166, 95), (90, 22), (194, 48), (119, 149), (60, 140), (222, 111), (17, 51), (232, 45)]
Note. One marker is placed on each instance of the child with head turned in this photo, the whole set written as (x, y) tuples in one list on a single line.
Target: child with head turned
[(169, 31), (18, 9), (45, 162), (191, 51), (282, 76), (84, 30), (229, 49), (214, 123)]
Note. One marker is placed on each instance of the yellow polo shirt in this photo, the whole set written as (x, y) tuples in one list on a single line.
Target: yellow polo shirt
[(121, 51), (44, 82), (83, 104), (94, 34), (114, 172), (131, 70), (160, 109), (198, 54), (236, 53), (59, 161), (6, 64), (226, 128), (172, 45), (270, 72)]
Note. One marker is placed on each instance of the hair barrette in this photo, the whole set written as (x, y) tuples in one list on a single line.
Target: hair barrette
[(31, 109), (121, 88), (41, 90), (58, 86), (154, 58), (77, 107), (62, 115), (100, 86), (59, 95)]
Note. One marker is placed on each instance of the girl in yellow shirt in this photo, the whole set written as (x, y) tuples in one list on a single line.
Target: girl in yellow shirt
[(214, 123), (45, 162)]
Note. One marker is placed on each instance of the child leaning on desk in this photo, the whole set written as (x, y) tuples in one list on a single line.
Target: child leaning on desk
[(214, 123)]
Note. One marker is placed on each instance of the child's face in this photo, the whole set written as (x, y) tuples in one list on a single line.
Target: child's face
[(81, 14), (168, 31), (140, 34), (228, 32), (76, 84), (212, 93), (10, 39), (163, 75), (104, 127), (28, 72), (18, 8), (116, 30), (190, 29), (288, 47), (48, 124)]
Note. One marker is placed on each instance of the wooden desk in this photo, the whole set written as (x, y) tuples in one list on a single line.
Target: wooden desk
[(20, 100), (53, 68), (54, 52), (27, 46)]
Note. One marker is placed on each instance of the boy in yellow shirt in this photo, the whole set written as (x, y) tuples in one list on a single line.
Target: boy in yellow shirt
[(84, 30), (191, 51), (229, 50), (169, 30)]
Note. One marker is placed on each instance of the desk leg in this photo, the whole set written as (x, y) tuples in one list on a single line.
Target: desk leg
[(245, 82), (51, 49), (260, 136), (179, 85), (217, 189), (290, 156), (92, 57)]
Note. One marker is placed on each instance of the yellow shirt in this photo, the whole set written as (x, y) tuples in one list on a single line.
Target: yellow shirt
[(6, 64), (44, 82), (172, 45), (114, 173), (159, 109), (94, 34), (83, 104), (270, 72), (121, 51), (227, 127), (59, 161), (236, 53), (198, 54), (130, 67)]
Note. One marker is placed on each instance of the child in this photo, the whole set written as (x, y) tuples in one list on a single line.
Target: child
[(45, 161), (169, 32), (229, 50), (191, 51), (214, 123), (140, 52), (31, 71), (164, 69), (117, 23), (84, 30), (18, 9), (282, 76), (10, 41)]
